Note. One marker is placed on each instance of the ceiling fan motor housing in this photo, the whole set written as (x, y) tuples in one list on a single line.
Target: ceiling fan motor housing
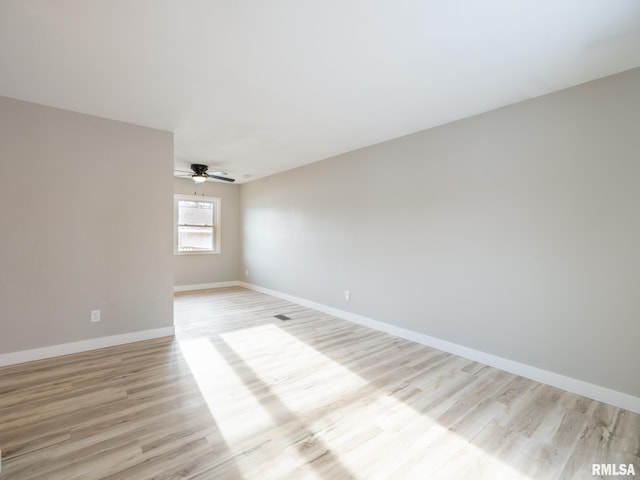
[(199, 169)]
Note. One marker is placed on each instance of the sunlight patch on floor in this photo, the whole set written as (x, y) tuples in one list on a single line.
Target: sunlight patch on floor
[(248, 428), (224, 392), (361, 423)]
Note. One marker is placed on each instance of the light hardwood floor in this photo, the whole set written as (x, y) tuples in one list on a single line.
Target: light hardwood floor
[(239, 394)]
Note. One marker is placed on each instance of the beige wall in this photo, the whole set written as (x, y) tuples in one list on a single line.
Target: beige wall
[(85, 223), (515, 232), (222, 267)]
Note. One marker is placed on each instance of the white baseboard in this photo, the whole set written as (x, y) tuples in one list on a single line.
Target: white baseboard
[(82, 346), (580, 387), (205, 286)]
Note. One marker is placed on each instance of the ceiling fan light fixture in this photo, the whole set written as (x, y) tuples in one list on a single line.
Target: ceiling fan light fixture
[(200, 177)]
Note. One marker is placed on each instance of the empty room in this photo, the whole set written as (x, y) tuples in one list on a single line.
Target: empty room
[(396, 239)]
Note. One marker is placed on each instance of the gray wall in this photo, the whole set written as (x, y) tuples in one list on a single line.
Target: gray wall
[(85, 223), (222, 267), (515, 232)]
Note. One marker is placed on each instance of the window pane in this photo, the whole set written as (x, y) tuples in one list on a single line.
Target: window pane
[(195, 213), (195, 239)]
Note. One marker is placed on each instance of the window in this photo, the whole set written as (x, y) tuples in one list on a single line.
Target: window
[(196, 224)]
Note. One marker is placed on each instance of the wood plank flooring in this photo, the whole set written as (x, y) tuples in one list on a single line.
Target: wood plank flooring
[(239, 394)]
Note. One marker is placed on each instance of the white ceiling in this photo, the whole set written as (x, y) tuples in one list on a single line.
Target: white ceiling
[(255, 87)]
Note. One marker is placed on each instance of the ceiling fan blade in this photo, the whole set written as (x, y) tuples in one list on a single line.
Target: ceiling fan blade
[(226, 179)]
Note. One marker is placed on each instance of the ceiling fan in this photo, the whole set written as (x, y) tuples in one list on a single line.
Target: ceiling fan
[(199, 174)]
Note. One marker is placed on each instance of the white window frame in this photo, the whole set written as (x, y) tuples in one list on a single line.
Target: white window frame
[(217, 230)]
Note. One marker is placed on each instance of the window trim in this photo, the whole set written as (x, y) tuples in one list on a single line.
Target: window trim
[(217, 229)]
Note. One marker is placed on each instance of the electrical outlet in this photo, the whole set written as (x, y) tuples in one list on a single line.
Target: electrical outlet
[(347, 295), (95, 315)]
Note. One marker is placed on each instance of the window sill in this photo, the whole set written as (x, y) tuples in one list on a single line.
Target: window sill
[(196, 253)]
